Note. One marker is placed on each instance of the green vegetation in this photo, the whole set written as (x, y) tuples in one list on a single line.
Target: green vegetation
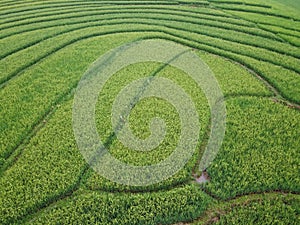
[(273, 211), (262, 163), (252, 47), (274, 208), (179, 204)]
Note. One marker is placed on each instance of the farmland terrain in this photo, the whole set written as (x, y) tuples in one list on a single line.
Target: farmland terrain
[(253, 49)]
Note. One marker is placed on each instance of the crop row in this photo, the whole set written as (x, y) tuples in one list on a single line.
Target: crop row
[(206, 21), (46, 24), (285, 81), (74, 18), (287, 85), (9, 4), (36, 52), (290, 36), (139, 122), (59, 130), (41, 155), (278, 59), (256, 10), (98, 11), (257, 53), (240, 3), (222, 25), (18, 62), (267, 20), (31, 9), (243, 38), (141, 115), (48, 180), (37, 7), (292, 39), (9, 49)]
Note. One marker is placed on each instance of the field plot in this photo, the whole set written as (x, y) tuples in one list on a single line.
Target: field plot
[(251, 47)]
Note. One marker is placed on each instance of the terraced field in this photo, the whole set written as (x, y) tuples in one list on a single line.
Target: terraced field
[(251, 46)]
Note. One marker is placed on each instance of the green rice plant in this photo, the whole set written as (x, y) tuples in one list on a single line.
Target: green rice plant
[(87, 16), (268, 20), (251, 47), (22, 41), (11, 61), (267, 160), (257, 9), (245, 50), (240, 2), (233, 79), (16, 63), (162, 207), (270, 208), (291, 39), (287, 84), (280, 30), (140, 118), (49, 167), (280, 210), (239, 83), (40, 88), (12, 48), (285, 81)]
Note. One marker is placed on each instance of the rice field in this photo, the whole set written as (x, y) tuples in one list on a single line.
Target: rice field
[(251, 47)]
